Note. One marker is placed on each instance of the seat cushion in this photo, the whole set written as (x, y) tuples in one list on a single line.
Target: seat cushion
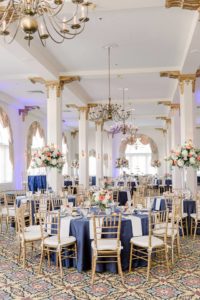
[(161, 232), (10, 211), (33, 228), (106, 244), (194, 216), (32, 235), (52, 241), (143, 241)]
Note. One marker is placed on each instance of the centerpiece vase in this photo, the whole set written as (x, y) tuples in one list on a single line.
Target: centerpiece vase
[(184, 178)]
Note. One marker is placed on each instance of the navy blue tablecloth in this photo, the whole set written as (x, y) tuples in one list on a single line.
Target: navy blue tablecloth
[(80, 229), (93, 180), (37, 183), (168, 182), (72, 199), (123, 198), (68, 183)]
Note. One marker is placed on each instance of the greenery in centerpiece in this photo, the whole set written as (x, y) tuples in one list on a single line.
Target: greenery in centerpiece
[(48, 156), (121, 162), (103, 198), (185, 156)]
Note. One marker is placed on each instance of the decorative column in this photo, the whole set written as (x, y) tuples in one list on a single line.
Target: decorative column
[(110, 155), (54, 129), (83, 147), (168, 142), (99, 152), (175, 141), (187, 117)]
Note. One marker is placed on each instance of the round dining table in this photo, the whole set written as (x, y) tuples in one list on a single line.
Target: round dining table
[(80, 228)]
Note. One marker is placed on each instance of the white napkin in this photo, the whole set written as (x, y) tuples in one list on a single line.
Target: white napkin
[(98, 221), (64, 226), (128, 195), (157, 203), (136, 225)]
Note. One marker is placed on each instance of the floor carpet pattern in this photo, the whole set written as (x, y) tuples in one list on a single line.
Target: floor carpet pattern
[(183, 281)]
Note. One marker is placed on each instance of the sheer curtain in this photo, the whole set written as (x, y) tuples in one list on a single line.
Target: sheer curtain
[(65, 170), (37, 142), (6, 169)]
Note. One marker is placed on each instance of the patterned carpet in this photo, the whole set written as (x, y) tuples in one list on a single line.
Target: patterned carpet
[(183, 282)]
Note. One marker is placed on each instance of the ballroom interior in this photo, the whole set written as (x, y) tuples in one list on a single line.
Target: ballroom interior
[(100, 149)]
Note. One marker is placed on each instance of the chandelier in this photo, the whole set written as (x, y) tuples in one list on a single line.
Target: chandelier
[(108, 112), (46, 18)]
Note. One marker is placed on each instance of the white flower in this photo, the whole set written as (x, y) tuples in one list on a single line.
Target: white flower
[(180, 163), (174, 157), (192, 160), (54, 162), (184, 153)]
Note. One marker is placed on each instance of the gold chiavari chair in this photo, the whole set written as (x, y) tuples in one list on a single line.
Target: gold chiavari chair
[(143, 247), (195, 218), (115, 196), (56, 203), (63, 246), (106, 244), (27, 235), (173, 238), (9, 210), (41, 204)]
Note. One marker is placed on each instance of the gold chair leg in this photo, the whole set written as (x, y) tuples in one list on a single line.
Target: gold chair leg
[(178, 245), (48, 257), (182, 228), (166, 257), (149, 264), (195, 229), (131, 257), (24, 255), (41, 260), (191, 221), (94, 263), (20, 250), (172, 246), (186, 225), (60, 263), (120, 266)]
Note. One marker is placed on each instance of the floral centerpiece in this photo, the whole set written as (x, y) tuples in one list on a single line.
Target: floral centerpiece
[(121, 162), (75, 164), (186, 156), (156, 163), (103, 198), (48, 156)]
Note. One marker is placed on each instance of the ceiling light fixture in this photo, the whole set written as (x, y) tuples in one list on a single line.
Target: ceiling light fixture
[(47, 18), (108, 111)]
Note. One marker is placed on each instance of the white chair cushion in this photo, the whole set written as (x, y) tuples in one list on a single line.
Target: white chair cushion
[(32, 235), (33, 228), (184, 215), (161, 232), (194, 216), (106, 244), (10, 212), (143, 241), (52, 241)]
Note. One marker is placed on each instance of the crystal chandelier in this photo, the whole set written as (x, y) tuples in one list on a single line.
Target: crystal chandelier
[(46, 18), (108, 111)]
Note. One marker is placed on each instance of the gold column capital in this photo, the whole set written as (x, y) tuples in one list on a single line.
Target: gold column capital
[(184, 4), (74, 133), (100, 123), (182, 78)]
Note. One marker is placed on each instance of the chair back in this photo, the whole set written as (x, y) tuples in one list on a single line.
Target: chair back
[(50, 224), (158, 220), (56, 203), (107, 227), (115, 195), (198, 206)]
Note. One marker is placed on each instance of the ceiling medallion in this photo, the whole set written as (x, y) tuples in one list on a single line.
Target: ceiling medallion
[(46, 18), (108, 112)]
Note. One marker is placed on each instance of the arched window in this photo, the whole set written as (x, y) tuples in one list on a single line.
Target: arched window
[(65, 170), (35, 140), (6, 149), (139, 157)]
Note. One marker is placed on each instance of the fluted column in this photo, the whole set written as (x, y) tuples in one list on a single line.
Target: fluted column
[(54, 128), (175, 141), (83, 147), (187, 118), (99, 152)]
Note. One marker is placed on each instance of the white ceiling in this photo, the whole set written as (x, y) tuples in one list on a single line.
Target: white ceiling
[(150, 39)]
